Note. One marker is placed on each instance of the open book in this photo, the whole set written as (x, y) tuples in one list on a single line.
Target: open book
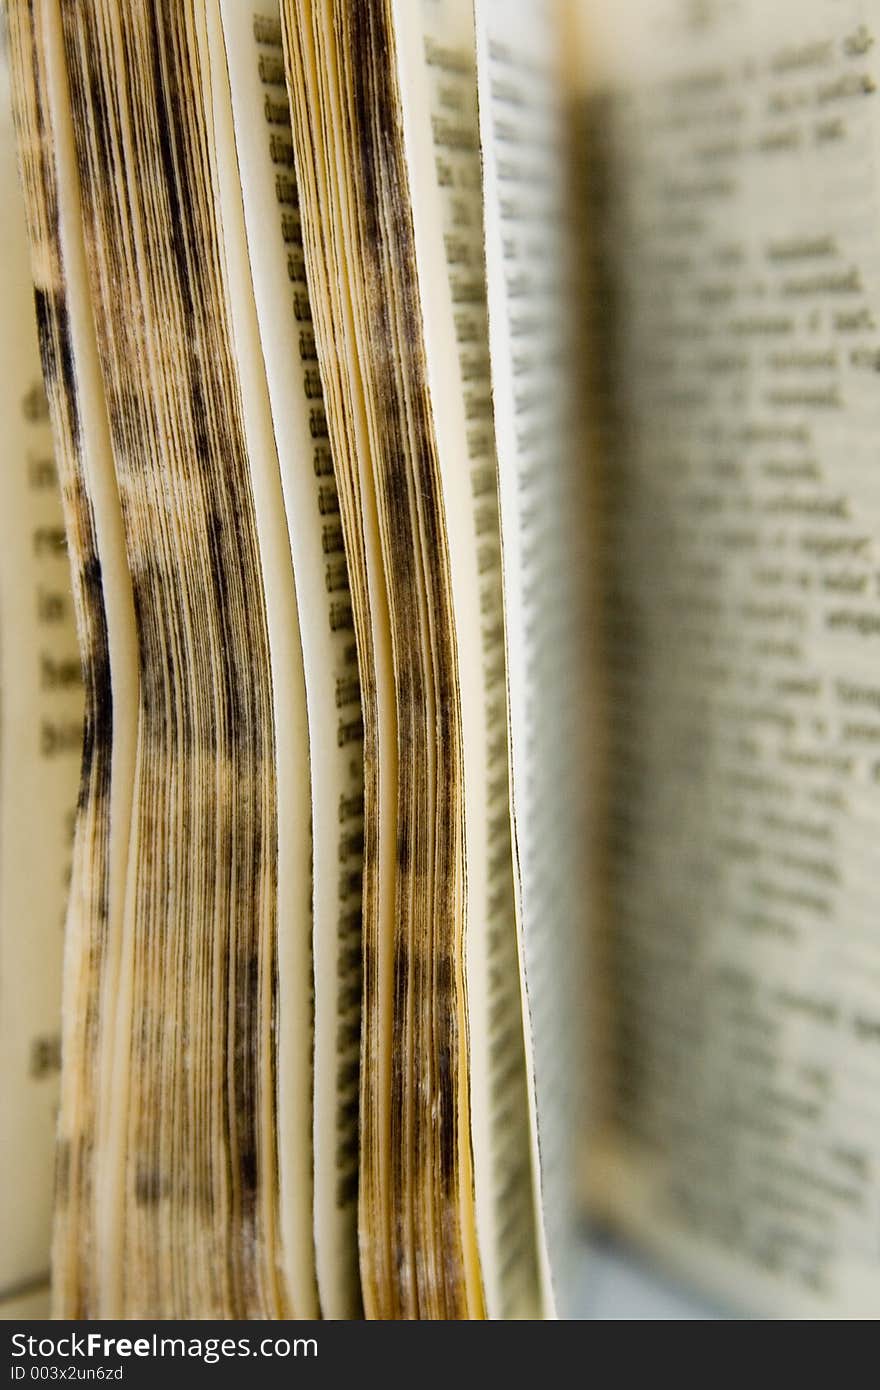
[(464, 413)]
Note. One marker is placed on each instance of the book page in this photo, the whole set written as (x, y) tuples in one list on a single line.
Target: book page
[(437, 74), (531, 297), (94, 1076), (732, 212), (41, 706), (325, 198), (35, 1304), (199, 1041), (417, 1238), (288, 355), (296, 986)]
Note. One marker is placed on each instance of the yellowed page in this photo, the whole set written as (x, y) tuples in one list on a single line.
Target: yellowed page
[(196, 1226), (288, 358), (33, 1304), (41, 705), (327, 222), (294, 1021), (437, 75), (95, 1072)]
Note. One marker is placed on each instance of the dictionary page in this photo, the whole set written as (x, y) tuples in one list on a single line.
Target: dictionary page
[(732, 205), (325, 196), (252, 54), (388, 160), (525, 134), (192, 1158), (41, 705), (94, 1005), (294, 1023), (415, 1223), (437, 74)]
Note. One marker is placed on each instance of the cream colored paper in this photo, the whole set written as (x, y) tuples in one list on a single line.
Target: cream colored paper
[(525, 114), (40, 751), (731, 156), (327, 221), (437, 75), (287, 353), (294, 1036)]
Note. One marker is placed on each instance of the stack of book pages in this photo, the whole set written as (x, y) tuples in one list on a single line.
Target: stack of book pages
[(438, 607)]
